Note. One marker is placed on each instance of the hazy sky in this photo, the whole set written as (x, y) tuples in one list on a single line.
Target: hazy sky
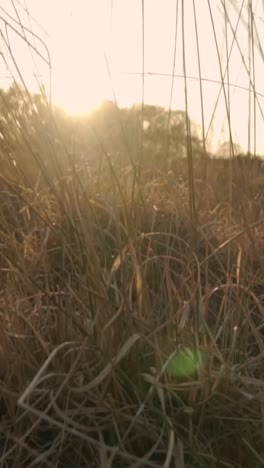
[(82, 34)]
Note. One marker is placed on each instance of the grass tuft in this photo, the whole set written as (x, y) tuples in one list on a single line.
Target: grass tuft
[(105, 310)]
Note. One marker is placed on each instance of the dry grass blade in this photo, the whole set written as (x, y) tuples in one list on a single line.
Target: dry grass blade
[(179, 454), (171, 446), (109, 367), (34, 382), (253, 451)]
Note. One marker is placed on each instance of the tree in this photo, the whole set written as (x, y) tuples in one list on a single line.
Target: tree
[(28, 133), (225, 150)]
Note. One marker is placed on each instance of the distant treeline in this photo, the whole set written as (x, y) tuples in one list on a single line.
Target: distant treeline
[(37, 138)]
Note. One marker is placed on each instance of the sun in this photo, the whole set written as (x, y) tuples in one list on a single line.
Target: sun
[(77, 39), (77, 99), (80, 74)]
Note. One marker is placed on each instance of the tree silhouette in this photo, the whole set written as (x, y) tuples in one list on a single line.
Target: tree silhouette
[(41, 140)]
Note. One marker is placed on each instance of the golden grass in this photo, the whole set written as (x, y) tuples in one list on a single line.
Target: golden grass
[(100, 291)]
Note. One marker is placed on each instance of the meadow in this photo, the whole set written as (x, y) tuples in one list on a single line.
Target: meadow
[(131, 301)]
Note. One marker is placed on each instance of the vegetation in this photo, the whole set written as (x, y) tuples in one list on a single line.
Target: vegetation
[(131, 300)]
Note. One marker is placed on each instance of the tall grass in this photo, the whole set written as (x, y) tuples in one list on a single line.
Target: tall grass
[(131, 306)]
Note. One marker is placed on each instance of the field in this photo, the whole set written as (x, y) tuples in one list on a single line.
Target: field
[(132, 313), (131, 245)]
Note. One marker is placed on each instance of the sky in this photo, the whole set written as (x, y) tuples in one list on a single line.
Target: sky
[(99, 49)]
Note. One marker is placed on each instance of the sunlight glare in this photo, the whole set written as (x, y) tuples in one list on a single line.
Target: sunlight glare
[(78, 39), (86, 37)]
